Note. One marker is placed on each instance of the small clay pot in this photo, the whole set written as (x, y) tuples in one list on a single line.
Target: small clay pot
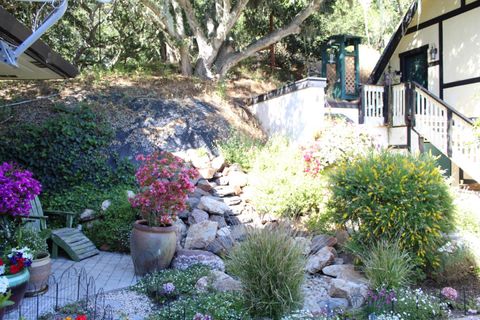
[(40, 270)]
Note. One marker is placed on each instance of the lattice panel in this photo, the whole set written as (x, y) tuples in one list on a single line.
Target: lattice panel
[(331, 74), (350, 74)]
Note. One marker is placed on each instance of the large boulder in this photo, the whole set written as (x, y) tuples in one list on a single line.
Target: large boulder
[(181, 231), (197, 216), (345, 272), (355, 293), (187, 258), (237, 179), (218, 281), (200, 235), (319, 260), (321, 241), (213, 206)]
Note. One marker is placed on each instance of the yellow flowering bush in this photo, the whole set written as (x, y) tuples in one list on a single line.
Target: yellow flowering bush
[(392, 196)]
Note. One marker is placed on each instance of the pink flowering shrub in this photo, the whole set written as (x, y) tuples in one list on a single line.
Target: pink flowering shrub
[(449, 293), (165, 183), (17, 189)]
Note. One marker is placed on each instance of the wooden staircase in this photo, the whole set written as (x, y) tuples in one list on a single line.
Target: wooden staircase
[(411, 106)]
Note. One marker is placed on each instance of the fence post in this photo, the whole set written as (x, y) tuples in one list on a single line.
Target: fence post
[(361, 113), (409, 111), (449, 133), (386, 104)]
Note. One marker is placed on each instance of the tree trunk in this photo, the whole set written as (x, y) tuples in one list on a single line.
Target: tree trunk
[(185, 65), (272, 47)]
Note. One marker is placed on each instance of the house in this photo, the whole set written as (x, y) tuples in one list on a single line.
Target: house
[(39, 61), (425, 89)]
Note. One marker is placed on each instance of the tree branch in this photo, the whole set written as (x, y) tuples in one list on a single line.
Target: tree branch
[(161, 18), (292, 28)]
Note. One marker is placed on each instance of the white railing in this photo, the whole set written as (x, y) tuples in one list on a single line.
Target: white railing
[(373, 104), (449, 131), (398, 105)]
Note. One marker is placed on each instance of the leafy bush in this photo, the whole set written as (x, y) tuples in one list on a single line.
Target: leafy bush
[(387, 266), (457, 265), (239, 148), (281, 187), (405, 304), (116, 225), (391, 196), (34, 240), (224, 306), (337, 141), (68, 149), (184, 280), (270, 265)]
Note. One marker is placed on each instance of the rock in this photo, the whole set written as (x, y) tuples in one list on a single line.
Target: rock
[(218, 281), (319, 260), (224, 232), (248, 193), (186, 258), (314, 289), (181, 231), (130, 194), (320, 241), (232, 201), (237, 209), (87, 214), (184, 214), (355, 293), (198, 193), (234, 167), (221, 245), (218, 163), (106, 204), (222, 181), (213, 206), (333, 304), (204, 185), (201, 234), (220, 220), (345, 272), (239, 232), (197, 216), (223, 191), (338, 261), (206, 173), (232, 220), (237, 179), (199, 158), (268, 218), (193, 202), (304, 243), (342, 237)]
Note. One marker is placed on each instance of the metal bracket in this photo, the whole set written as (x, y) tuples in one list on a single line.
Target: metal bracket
[(9, 54)]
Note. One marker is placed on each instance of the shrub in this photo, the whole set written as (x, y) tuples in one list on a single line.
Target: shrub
[(281, 187), (457, 266), (387, 266), (391, 196), (270, 265), (239, 148), (116, 225), (337, 141)]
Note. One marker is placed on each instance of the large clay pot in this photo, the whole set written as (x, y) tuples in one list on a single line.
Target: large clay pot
[(17, 283), (39, 272), (152, 248)]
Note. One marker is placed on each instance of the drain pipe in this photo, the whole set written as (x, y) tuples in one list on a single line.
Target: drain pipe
[(10, 56)]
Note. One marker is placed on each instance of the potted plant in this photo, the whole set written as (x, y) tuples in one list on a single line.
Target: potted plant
[(41, 263), (17, 189), (5, 295), (165, 182)]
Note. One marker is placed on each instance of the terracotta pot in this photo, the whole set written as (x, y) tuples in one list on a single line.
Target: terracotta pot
[(2, 313), (152, 248), (18, 285), (39, 272)]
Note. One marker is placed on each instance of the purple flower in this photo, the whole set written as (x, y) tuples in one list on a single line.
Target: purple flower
[(199, 316), (168, 288)]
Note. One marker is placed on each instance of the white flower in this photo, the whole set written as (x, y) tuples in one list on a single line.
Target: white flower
[(3, 285), (2, 270)]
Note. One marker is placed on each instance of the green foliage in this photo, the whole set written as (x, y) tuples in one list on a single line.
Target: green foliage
[(457, 266), (34, 240), (114, 229), (386, 265), (270, 265), (224, 305), (67, 150), (239, 148), (183, 280), (390, 196), (280, 185)]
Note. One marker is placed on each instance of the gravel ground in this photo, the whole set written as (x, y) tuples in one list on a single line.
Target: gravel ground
[(129, 304)]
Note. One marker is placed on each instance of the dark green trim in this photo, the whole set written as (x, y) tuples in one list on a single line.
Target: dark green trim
[(440, 52), (461, 82)]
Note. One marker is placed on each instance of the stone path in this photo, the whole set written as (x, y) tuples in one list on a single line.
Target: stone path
[(109, 271)]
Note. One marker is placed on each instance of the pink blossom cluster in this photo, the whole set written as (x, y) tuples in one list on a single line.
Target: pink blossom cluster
[(313, 164), (449, 293), (17, 189), (165, 181)]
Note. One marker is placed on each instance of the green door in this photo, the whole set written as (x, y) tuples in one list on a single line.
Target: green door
[(415, 66)]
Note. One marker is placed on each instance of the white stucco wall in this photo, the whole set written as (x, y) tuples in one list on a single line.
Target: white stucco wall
[(296, 115), (465, 99), (434, 8)]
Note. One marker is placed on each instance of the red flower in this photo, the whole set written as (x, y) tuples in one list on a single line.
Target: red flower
[(1, 262), (15, 269), (81, 317)]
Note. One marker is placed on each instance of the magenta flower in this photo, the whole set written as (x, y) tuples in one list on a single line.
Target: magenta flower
[(449, 293)]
